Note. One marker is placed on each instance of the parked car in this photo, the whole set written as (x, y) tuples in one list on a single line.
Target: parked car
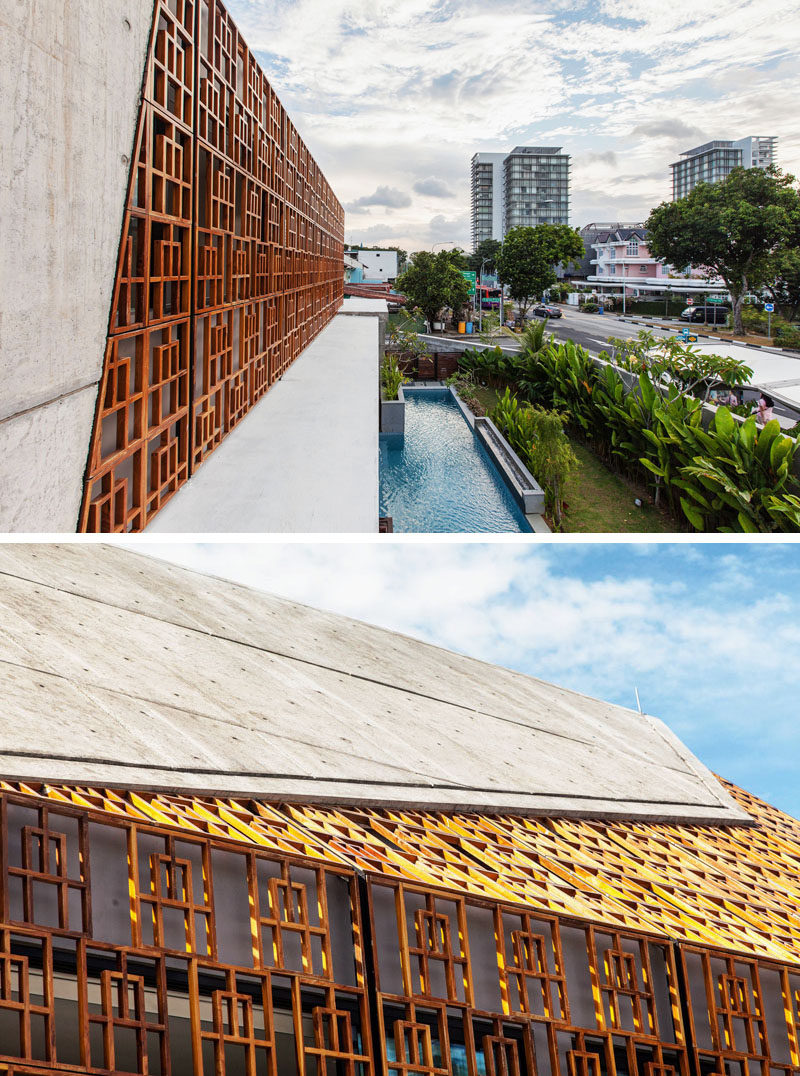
[(714, 313), (547, 312)]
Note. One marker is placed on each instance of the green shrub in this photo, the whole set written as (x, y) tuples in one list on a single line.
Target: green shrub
[(732, 477), (787, 335), (489, 366), (392, 377), (538, 437)]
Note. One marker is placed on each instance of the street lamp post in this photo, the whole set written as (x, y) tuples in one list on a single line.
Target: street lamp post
[(480, 298)]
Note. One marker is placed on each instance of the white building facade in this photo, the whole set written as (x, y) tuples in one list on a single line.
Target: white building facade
[(522, 188), (713, 161), (374, 266)]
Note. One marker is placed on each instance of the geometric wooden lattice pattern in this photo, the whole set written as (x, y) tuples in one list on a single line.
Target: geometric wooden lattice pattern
[(230, 263), (159, 934)]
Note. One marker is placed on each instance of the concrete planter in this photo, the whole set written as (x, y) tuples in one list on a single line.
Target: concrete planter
[(526, 490), (393, 414)]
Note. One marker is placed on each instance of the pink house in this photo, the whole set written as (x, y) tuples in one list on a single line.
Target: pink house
[(623, 256)]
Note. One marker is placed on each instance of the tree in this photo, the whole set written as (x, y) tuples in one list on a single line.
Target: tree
[(458, 258), (737, 228), (485, 252), (671, 362), (528, 257), (785, 288), (432, 283)]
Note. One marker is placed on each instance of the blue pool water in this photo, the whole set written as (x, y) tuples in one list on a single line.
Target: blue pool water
[(439, 477)]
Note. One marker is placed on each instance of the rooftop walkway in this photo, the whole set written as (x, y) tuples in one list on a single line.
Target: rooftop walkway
[(306, 458)]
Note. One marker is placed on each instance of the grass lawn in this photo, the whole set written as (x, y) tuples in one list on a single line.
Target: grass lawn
[(600, 501), (487, 396)]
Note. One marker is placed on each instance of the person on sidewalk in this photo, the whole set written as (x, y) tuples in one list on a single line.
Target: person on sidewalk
[(764, 409)]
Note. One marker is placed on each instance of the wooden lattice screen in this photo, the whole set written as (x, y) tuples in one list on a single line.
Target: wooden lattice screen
[(180, 936), (230, 263)]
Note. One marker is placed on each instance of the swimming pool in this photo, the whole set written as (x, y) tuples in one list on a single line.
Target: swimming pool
[(439, 477)]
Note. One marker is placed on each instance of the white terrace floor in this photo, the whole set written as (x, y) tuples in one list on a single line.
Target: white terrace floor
[(305, 459)]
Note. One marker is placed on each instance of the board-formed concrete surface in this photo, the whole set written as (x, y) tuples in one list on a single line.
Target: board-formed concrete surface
[(70, 84), (120, 669), (305, 458)]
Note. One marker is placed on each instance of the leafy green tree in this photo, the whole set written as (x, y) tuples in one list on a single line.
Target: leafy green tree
[(458, 258), (785, 288), (671, 361), (738, 229), (433, 282), (528, 258), (485, 254)]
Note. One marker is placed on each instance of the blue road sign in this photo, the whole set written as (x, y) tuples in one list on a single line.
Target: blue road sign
[(769, 307)]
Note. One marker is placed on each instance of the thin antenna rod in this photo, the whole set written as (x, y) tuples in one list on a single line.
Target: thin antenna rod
[(638, 704)]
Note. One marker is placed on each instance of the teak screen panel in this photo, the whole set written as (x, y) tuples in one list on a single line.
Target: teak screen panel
[(164, 935), (482, 987), (230, 263)]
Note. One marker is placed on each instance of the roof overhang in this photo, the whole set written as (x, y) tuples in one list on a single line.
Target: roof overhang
[(126, 671)]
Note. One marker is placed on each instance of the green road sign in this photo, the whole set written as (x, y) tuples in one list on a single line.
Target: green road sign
[(471, 278), (715, 299)]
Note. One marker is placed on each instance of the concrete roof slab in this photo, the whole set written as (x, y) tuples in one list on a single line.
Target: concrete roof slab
[(124, 669)]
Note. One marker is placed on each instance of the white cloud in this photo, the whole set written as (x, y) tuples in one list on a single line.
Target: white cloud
[(379, 90), (435, 188), (383, 196)]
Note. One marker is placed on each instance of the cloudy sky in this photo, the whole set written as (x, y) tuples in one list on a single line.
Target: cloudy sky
[(394, 98), (709, 633)]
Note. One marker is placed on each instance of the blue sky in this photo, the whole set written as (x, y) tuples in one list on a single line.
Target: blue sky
[(390, 96), (709, 633)]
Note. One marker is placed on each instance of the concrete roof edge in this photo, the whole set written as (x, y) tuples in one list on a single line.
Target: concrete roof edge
[(357, 794)]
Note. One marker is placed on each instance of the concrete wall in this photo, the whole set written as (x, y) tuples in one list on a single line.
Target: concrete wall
[(70, 85)]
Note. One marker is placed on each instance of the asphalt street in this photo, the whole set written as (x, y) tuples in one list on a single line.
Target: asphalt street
[(593, 330)]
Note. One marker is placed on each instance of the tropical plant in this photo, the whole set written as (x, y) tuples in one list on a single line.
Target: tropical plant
[(530, 378), (538, 437), (744, 478), (672, 362), (392, 377), (490, 366), (408, 342), (732, 476)]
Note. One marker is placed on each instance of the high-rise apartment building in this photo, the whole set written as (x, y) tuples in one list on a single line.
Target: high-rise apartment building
[(526, 187), (713, 161), (487, 197)]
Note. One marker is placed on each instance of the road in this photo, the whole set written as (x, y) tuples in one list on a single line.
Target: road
[(593, 330)]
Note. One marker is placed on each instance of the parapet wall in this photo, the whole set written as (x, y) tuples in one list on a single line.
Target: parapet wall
[(70, 86)]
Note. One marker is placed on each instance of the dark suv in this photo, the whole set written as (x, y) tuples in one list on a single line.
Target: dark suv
[(713, 314)]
